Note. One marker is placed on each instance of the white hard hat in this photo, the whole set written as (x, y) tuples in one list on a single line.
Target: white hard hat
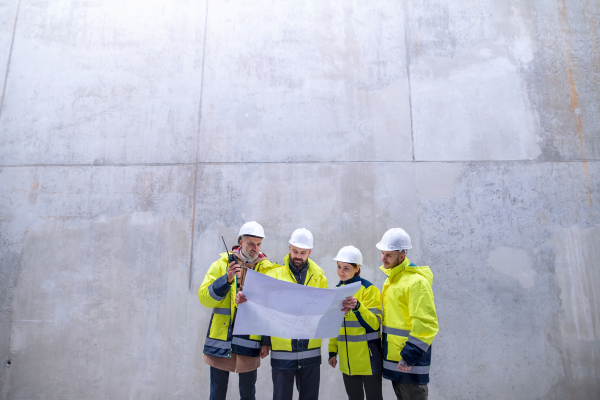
[(252, 228), (349, 254), (394, 239), (302, 238)]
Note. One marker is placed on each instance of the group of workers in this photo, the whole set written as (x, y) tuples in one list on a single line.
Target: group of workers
[(383, 334)]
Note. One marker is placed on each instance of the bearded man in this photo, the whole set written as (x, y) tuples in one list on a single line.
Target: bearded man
[(224, 352)]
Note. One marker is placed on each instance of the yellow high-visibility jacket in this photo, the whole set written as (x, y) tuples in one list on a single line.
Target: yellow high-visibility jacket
[(296, 353), (409, 322), (218, 294), (359, 344)]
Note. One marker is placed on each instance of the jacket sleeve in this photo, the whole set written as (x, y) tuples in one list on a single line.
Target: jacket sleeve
[(421, 310), (369, 310), (214, 287), (333, 346)]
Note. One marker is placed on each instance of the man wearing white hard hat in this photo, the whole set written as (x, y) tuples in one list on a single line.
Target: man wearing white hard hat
[(297, 359), (222, 351), (409, 318)]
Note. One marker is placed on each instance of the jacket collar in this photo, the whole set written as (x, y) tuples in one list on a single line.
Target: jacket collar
[(355, 278), (391, 273), (313, 269)]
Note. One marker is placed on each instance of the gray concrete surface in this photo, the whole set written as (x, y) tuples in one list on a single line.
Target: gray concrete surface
[(134, 134)]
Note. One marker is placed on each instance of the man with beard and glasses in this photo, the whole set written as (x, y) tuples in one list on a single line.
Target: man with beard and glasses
[(224, 352), (298, 359)]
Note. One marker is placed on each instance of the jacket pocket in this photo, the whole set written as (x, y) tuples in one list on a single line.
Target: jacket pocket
[(395, 344), (219, 327)]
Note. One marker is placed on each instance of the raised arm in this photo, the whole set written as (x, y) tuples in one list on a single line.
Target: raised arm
[(368, 311), (215, 285)]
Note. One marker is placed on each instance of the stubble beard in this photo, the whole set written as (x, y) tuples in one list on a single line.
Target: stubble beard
[(298, 263)]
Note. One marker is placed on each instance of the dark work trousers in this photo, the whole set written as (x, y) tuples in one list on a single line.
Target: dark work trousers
[(354, 387), (410, 391), (307, 383), (218, 384)]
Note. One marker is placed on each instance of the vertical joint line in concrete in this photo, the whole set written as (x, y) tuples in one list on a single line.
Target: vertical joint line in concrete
[(412, 136), (202, 81), (12, 42), (191, 271), (11, 292), (407, 49), (6, 377)]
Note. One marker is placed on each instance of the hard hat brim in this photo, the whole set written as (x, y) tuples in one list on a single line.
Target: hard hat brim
[(347, 261), (382, 247), (301, 246), (385, 248)]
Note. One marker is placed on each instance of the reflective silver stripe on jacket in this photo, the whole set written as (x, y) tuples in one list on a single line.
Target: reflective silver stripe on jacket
[(352, 324), (397, 332), (217, 343), (246, 343), (393, 366), (221, 311), (418, 342), (288, 355), (377, 313), (213, 294), (358, 338)]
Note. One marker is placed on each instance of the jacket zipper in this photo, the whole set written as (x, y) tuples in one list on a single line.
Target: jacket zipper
[(298, 341), (347, 356), (306, 284)]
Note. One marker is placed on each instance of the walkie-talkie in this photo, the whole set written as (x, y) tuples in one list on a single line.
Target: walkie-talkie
[(231, 257)]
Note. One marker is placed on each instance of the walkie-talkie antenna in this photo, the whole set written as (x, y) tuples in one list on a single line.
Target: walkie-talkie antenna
[(226, 249)]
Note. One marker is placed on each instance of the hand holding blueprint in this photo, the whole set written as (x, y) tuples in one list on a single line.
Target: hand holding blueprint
[(289, 310)]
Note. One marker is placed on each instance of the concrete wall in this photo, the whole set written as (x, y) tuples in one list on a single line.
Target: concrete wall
[(133, 134)]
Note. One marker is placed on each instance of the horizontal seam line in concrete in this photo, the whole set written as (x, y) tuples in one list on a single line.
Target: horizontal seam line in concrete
[(297, 162)]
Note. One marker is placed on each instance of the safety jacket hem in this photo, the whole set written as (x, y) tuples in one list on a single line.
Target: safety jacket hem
[(293, 364), (419, 379), (245, 347), (243, 352), (216, 352)]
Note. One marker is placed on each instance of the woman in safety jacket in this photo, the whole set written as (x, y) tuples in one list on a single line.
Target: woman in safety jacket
[(358, 343)]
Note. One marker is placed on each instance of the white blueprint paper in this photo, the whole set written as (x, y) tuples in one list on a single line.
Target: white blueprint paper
[(289, 310)]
